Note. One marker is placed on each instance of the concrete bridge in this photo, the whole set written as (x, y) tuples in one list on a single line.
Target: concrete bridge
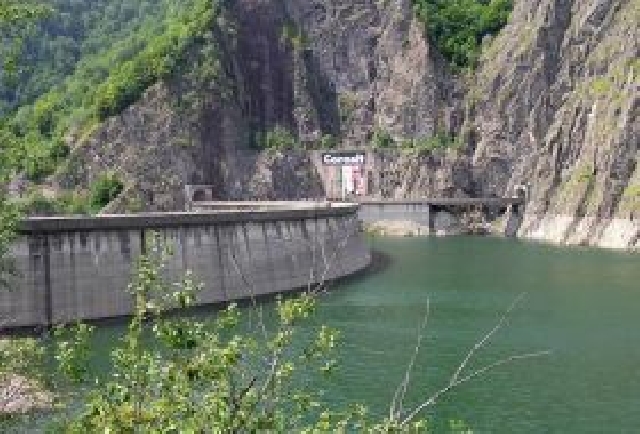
[(490, 202), (79, 267), (443, 215)]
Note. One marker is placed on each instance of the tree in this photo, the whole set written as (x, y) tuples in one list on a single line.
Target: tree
[(457, 27), (14, 15), (16, 19)]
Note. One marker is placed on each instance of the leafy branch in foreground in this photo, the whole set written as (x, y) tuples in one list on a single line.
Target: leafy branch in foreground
[(184, 375)]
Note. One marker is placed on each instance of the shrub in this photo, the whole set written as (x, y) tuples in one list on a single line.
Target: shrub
[(278, 138), (328, 142), (382, 139), (65, 203), (42, 156), (457, 27), (440, 140), (104, 190), (37, 204)]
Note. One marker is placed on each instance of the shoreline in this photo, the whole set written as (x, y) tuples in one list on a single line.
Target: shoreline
[(614, 234)]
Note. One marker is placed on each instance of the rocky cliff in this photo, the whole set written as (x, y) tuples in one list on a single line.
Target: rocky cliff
[(552, 107), (555, 108)]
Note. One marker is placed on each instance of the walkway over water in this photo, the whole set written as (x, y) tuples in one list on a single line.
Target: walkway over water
[(444, 215), (447, 201)]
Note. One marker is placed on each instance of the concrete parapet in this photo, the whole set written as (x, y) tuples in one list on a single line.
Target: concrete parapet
[(78, 268)]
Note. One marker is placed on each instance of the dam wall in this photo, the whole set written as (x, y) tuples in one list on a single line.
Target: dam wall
[(79, 268)]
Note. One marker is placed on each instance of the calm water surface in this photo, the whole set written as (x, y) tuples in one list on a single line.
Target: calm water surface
[(582, 304)]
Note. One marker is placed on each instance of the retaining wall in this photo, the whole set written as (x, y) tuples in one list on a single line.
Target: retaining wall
[(79, 268)]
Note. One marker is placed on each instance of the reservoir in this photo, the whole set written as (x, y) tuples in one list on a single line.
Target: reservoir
[(581, 304)]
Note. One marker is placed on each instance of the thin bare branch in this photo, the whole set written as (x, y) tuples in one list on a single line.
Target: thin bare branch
[(456, 378), (482, 342), (396, 408), (252, 294), (433, 399)]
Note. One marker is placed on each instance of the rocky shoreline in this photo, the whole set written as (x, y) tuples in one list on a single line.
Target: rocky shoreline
[(615, 234)]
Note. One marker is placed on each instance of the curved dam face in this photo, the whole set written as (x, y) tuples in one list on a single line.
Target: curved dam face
[(79, 268)]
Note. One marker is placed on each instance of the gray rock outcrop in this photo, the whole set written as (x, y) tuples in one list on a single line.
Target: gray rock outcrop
[(555, 107)]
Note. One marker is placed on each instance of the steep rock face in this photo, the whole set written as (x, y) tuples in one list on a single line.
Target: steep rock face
[(556, 110), (380, 67), (318, 68)]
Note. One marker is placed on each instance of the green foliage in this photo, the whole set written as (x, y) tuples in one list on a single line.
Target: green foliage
[(37, 204), (17, 18), (72, 202), (328, 142), (630, 200), (104, 190), (73, 351), (8, 219), (440, 140), (76, 30), (279, 138), (21, 356), (457, 27), (293, 35), (92, 60), (382, 139), (181, 375), (41, 158), (159, 60), (348, 104)]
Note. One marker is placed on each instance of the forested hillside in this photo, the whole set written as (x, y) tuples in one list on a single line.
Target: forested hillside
[(87, 61), (73, 30)]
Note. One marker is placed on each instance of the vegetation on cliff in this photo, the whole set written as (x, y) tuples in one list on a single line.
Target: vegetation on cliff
[(91, 63), (457, 27), (74, 32)]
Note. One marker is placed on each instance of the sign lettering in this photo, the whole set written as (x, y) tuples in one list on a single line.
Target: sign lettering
[(343, 159)]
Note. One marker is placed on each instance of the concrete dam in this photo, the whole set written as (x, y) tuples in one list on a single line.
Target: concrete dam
[(79, 268)]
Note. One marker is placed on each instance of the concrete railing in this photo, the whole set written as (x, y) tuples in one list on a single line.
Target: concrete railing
[(204, 206), (78, 268)]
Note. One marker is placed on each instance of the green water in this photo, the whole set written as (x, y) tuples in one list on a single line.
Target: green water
[(582, 304)]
